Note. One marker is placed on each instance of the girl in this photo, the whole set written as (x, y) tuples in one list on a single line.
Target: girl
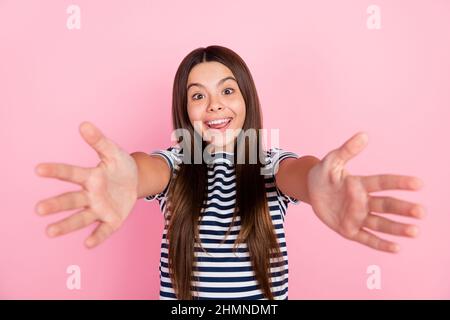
[(224, 218)]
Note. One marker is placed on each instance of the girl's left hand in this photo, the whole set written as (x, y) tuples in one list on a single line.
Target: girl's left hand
[(342, 201)]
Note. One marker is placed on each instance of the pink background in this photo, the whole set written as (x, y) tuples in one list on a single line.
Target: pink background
[(322, 76)]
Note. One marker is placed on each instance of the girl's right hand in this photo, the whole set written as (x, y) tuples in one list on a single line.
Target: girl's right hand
[(108, 194)]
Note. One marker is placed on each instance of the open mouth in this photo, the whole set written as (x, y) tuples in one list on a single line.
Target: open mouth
[(219, 124)]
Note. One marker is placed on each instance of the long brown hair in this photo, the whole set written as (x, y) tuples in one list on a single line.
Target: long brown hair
[(188, 190)]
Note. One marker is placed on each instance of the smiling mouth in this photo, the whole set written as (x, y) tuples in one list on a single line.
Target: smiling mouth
[(219, 123)]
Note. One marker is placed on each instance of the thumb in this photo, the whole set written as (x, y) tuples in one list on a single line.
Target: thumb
[(351, 148), (95, 138)]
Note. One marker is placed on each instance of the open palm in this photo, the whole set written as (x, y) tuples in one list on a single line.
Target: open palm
[(108, 194), (342, 201)]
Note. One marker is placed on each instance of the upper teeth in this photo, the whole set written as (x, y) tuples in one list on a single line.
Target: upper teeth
[(218, 121)]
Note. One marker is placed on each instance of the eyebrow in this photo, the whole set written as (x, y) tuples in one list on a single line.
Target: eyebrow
[(218, 83)]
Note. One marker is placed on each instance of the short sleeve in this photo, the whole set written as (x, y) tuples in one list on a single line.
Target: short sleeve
[(173, 157), (276, 155)]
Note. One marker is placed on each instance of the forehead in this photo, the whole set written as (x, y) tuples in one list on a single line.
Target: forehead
[(209, 73)]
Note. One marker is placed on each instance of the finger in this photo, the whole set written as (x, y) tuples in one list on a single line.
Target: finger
[(391, 182), (100, 234), (384, 204), (375, 242), (350, 148), (64, 172), (74, 222), (384, 225), (63, 202), (104, 147)]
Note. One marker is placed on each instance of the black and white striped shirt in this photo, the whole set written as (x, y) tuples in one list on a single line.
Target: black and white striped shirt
[(222, 273)]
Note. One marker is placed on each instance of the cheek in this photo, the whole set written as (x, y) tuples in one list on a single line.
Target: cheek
[(195, 117), (194, 113), (240, 113)]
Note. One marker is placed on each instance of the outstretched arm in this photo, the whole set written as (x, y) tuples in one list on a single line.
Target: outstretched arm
[(153, 174), (292, 177), (343, 201)]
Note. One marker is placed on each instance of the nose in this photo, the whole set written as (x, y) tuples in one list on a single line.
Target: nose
[(214, 103), (215, 107)]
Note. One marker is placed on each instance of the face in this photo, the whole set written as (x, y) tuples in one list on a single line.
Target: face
[(215, 105)]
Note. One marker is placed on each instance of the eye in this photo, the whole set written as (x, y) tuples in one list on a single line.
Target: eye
[(232, 90), (193, 97)]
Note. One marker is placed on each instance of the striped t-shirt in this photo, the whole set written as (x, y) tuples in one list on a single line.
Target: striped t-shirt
[(220, 272)]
